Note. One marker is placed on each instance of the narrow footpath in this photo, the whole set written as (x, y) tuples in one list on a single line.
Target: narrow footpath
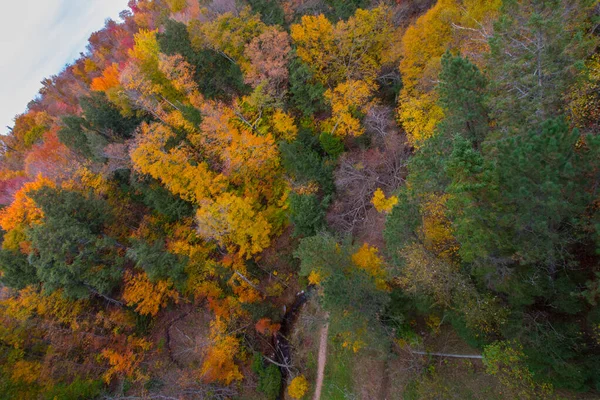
[(322, 361)]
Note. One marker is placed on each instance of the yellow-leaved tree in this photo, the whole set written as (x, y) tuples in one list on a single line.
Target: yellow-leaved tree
[(450, 24), (228, 34), (367, 258), (298, 387), (228, 168), (232, 222), (437, 232), (176, 168), (383, 204), (348, 100), (350, 50)]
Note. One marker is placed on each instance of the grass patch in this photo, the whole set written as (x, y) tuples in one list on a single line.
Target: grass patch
[(453, 379), (312, 362), (338, 382)]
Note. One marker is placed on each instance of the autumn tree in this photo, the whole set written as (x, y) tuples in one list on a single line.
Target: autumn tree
[(174, 167), (228, 34), (349, 101), (108, 80), (147, 84), (109, 83), (448, 25), (23, 211), (124, 358), (29, 129), (348, 50), (235, 154), (50, 158), (147, 297), (219, 363), (383, 204), (10, 183), (230, 220), (298, 387), (268, 54), (368, 259)]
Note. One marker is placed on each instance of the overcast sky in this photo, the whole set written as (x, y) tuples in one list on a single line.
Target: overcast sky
[(37, 39)]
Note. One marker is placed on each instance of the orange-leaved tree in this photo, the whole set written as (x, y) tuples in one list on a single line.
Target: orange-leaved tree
[(21, 214), (219, 361), (148, 297)]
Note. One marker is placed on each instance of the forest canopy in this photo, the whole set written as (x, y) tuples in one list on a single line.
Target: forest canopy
[(217, 191)]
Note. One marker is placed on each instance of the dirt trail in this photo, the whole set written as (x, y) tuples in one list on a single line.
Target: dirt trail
[(322, 361)]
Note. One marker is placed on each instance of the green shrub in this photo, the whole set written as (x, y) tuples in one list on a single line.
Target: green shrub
[(79, 389), (331, 144), (269, 377)]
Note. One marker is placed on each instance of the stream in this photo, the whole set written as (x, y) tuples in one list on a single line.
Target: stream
[(283, 350)]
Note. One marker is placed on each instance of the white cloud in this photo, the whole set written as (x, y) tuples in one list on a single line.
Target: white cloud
[(37, 39)]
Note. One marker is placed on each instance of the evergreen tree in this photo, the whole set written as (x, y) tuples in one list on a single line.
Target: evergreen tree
[(70, 250), (302, 159), (102, 117), (101, 123), (73, 135), (17, 272), (307, 95), (307, 214), (157, 261), (537, 49), (270, 11), (350, 294), (462, 91), (530, 197)]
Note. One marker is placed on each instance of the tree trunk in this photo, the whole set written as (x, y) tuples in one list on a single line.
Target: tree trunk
[(424, 353)]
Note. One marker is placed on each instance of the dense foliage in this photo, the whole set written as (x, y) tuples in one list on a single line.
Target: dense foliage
[(407, 163)]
